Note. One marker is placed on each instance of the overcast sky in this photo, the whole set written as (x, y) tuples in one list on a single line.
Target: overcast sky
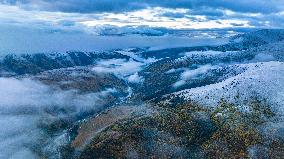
[(188, 14), (100, 17)]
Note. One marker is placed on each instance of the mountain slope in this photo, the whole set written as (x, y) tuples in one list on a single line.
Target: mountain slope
[(35, 63), (209, 101)]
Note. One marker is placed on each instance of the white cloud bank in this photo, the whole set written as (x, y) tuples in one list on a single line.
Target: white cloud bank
[(22, 93), (135, 78), (121, 67), (189, 74), (22, 107)]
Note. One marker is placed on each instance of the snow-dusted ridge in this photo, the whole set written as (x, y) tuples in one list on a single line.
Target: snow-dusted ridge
[(263, 80)]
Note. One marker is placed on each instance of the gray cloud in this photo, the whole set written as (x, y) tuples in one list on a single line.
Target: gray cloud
[(256, 13), (87, 6), (267, 10)]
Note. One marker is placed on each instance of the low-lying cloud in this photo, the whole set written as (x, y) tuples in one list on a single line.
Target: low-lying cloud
[(34, 40), (261, 57), (194, 73), (135, 78), (23, 105), (26, 92), (121, 67), (190, 74)]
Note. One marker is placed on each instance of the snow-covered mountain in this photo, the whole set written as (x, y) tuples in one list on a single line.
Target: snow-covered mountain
[(185, 102)]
